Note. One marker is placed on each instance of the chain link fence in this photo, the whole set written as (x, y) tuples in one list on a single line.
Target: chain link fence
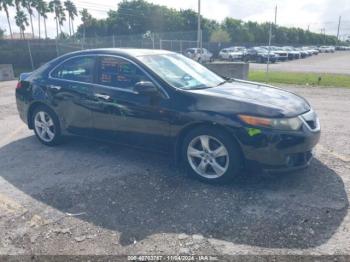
[(29, 54)]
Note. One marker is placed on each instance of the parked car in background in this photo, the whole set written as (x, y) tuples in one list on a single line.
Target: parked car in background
[(260, 55), (292, 53), (310, 53), (163, 101), (303, 53), (313, 50), (326, 49), (281, 54), (342, 48), (233, 53), (200, 55), (240, 49)]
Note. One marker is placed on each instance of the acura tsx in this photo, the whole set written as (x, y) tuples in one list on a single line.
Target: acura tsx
[(166, 102)]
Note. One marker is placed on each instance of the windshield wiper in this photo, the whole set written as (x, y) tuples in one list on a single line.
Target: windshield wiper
[(227, 80), (223, 82)]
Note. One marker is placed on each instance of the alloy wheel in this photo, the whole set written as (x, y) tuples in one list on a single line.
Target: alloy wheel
[(44, 126), (208, 157)]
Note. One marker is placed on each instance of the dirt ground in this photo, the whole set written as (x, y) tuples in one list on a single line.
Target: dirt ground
[(336, 63), (84, 197)]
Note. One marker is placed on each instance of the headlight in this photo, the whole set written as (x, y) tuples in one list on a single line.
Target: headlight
[(293, 123)]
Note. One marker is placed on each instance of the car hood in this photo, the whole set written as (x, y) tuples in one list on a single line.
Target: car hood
[(253, 98)]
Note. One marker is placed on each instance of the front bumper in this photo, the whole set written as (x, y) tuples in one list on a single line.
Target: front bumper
[(275, 150)]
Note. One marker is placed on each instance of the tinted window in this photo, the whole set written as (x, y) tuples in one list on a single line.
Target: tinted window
[(117, 72), (76, 69)]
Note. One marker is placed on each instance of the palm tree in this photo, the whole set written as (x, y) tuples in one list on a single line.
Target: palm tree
[(28, 4), (85, 18), (4, 5), (39, 5), (56, 7), (21, 21), (18, 5), (61, 19), (43, 9), (72, 12), (18, 17)]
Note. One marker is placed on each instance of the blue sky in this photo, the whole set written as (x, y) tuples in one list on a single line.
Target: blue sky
[(315, 14)]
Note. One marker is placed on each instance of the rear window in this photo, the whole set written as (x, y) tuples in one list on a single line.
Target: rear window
[(80, 69)]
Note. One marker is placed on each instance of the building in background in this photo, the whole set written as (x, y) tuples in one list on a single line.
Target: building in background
[(17, 36)]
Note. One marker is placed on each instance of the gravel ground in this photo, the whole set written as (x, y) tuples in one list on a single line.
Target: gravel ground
[(336, 63), (85, 197)]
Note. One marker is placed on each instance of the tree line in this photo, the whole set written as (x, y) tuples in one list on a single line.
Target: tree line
[(27, 9), (140, 17)]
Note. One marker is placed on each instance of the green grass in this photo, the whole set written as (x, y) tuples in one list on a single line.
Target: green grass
[(313, 79)]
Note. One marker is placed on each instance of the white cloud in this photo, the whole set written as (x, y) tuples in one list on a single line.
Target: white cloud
[(314, 13)]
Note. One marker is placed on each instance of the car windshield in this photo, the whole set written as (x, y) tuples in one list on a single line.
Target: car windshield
[(180, 71)]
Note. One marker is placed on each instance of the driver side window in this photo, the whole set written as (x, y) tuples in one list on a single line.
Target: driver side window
[(119, 73)]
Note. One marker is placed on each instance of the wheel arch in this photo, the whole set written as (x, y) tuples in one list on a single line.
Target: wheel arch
[(183, 132)]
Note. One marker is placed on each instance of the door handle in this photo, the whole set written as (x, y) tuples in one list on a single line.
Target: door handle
[(57, 88), (102, 96)]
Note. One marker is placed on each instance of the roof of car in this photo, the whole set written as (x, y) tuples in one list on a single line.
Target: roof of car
[(124, 51)]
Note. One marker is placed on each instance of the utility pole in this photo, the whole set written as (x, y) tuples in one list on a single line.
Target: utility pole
[(199, 33), (338, 30), (276, 15), (324, 35), (269, 50)]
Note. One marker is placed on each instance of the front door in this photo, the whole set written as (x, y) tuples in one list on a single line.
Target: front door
[(124, 115)]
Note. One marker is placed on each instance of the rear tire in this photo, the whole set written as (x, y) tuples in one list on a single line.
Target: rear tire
[(211, 155), (46, 126)]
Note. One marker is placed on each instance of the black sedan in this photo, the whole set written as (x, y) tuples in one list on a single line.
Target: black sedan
[(166, 102), (260, 55)]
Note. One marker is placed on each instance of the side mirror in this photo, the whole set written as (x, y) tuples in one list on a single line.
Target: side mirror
[(145, 88)]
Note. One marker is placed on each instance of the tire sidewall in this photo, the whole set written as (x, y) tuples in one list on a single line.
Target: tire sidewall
[(52, 114), (235, 158)]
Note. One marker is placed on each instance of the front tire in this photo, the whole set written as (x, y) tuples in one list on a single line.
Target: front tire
[(46, 126), (211, 155)]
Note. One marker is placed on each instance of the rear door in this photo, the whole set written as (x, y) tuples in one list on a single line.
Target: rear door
[(123, 115), (70, 87)]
